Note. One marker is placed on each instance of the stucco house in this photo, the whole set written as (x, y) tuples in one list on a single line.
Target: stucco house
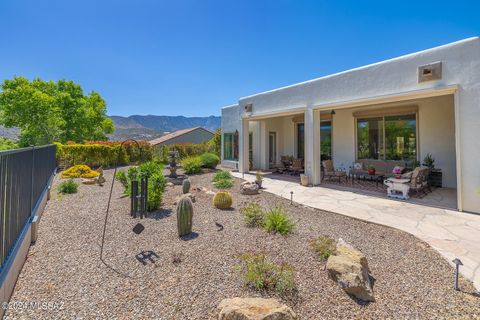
[(189, 135), (404, 108)]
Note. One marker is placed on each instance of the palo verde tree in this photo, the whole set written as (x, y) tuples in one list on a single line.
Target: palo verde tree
[(48, 111)]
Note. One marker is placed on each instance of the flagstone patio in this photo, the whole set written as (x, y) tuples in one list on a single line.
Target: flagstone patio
[(452, 233)]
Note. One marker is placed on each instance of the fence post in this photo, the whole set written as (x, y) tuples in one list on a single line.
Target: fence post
[(32, 180)]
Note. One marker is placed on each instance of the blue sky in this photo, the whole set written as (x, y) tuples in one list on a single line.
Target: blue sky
[(193, 57)]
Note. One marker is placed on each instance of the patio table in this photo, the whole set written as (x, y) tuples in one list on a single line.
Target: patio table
[(398, 188), (371, 177)]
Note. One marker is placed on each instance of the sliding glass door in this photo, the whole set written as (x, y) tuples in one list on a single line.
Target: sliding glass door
[(300, 140), (326, 140), (387, 138)]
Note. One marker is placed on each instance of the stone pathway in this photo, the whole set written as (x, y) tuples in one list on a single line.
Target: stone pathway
[(452, 233)]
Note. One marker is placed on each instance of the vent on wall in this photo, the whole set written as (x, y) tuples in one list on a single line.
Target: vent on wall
[(429, 72), (248, 107)]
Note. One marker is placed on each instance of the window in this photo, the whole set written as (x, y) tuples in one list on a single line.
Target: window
[(326, 140), (300, 140), (230, 146), (387, 138)]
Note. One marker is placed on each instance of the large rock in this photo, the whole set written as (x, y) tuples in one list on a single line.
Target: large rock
[(254, 309), (349, 268), (249, 188)]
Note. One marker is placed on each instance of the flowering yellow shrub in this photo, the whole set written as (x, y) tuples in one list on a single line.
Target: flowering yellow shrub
[(80, 171)]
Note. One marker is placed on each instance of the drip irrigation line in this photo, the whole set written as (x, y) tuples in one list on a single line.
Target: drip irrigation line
[(108, 206)]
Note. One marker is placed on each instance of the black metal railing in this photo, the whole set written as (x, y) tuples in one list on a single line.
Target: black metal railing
[(24, 177)]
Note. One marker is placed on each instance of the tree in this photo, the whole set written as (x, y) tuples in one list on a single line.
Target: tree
[(216, 141), (48, 111)]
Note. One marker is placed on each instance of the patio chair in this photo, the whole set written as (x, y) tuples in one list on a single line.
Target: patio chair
[(297, 166), (329, 171), (280, 167), (419, 180)]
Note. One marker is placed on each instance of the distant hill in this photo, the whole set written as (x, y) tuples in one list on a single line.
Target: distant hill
[(150, 127), (11, 133), (143, 127)]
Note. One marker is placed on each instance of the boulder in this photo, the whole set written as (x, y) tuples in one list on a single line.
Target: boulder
[(89, 181), (254, 309), (191, 196), (169, 184), (349, 268), (249, 188)]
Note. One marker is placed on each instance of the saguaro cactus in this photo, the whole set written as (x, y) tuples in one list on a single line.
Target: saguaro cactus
[(186, 186), (222, 200), (184, 216)]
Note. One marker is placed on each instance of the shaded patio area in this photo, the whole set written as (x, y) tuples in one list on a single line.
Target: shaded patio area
[(445, 198), (452, 233)]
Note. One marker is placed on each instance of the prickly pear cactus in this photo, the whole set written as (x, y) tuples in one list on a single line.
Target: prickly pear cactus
[(184, 216), (222, 200), (186, 186)]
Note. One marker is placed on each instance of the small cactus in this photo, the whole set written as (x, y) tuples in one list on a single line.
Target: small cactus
[(184, 216), (186, 186), (222, 200)]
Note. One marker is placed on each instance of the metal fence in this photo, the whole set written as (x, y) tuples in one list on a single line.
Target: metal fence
[(24, 177)]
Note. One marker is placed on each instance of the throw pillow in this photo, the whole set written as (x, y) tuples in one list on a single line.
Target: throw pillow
[(358, 166)]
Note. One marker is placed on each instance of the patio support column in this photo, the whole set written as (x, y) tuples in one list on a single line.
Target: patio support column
[(312, 145), (243, 147), (263, 145)]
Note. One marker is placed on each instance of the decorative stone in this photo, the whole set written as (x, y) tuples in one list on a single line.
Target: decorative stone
[(89, 181), (254, 309), (169, 184), (191, 196), (349, 268), (249, 188)]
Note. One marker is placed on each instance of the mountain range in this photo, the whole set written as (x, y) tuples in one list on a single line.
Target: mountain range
[(150, 127), (144, 127)]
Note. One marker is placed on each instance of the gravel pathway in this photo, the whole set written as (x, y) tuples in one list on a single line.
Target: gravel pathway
[(191, 277)]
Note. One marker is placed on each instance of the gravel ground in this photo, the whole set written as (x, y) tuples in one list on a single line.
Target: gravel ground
[(412, 280)]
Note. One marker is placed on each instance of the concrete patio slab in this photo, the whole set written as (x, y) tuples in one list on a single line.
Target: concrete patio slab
[(452, 233)]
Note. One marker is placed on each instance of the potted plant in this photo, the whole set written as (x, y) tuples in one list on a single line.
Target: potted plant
[(429, 161), (397, 171), (304, 180), (259, 179), (371, 169)]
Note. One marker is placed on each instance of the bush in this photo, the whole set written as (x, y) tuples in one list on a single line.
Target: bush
[(185, 150), (223, 184), (156, 182), (80, 171), (102, 153), (222, 175), (209, 160), (264, 275), (323, 246), (253, 215), (277, 221), (7, 144), (192, 165), (68, 186)]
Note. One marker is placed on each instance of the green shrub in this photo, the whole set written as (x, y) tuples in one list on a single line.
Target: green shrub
[(185, 150), (277, 221), (253, 215), (323, 246), (192, 165), (223, 184), (156, 182), (80, 171), (7, 144), (68, 186), (102, 153), (222, 175), (209, 160), (265, 275)]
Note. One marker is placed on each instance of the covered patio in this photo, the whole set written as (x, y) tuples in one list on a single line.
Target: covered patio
[(336, 146)]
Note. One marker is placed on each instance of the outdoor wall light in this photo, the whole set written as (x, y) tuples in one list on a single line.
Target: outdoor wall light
[(333, 112), (457, 263)]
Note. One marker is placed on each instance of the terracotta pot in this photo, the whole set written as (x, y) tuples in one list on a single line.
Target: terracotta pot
[(371, 171)]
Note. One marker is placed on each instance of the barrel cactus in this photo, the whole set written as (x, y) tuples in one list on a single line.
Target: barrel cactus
[(186, 186), (222, 200), (184, 216)]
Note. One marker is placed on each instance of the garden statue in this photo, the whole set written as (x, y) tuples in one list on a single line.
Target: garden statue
[(172, 158)]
